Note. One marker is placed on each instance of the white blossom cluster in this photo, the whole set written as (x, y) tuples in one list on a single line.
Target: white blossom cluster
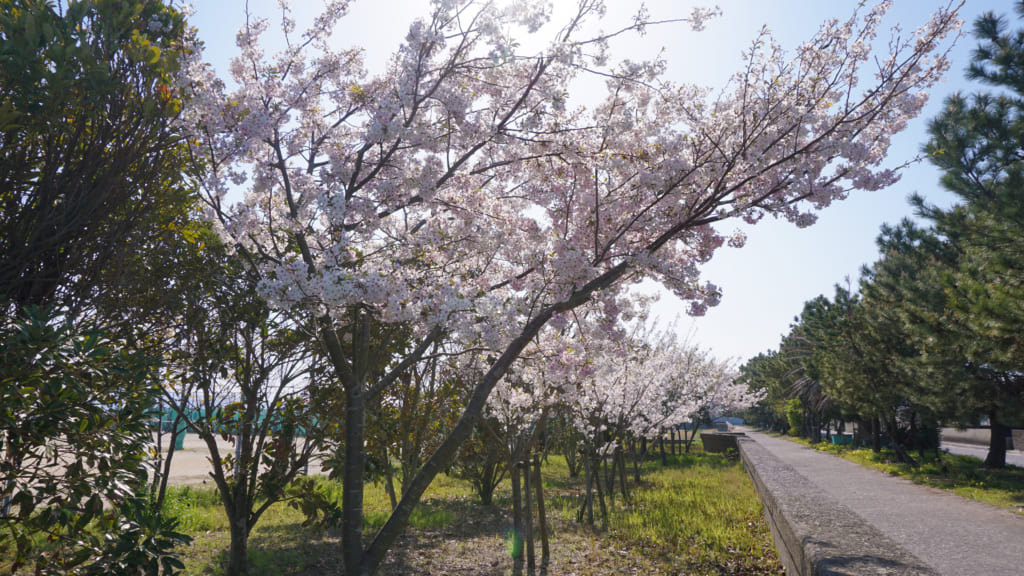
[(459, 189), (615, 384)]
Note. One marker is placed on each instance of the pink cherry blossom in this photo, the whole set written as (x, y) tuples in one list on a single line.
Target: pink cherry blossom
[(461, 192)]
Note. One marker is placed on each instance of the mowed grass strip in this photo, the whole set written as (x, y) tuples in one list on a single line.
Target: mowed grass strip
[(963, 475), (702, 512)]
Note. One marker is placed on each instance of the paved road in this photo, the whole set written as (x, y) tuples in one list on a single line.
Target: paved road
[(191, 464), (954, 536), (1012, 456)]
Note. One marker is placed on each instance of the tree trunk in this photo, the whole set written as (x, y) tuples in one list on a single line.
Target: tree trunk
[(622, 474), (240, 504), (915, 435), (542, 518), (531, 561), (609, 477), (587, 504), (352, 495), (996, 457), (389, 480), (897, 445), (161, 492), (446, 452), (636, 464), (238, 519), (661, 447), (238, 553), (600, 489), (689, 438), (571, 460), (876, 435), (517, 514), (588, 493)]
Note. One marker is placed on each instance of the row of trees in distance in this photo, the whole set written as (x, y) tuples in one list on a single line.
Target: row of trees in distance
[(932, 337)]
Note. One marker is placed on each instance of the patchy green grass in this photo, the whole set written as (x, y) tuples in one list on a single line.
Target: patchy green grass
[(963, 475), (697, 515), (197, 510), (701, 511), (280, 544)]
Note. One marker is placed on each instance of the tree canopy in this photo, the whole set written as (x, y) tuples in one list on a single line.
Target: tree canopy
[(92, 181), (91, 165)]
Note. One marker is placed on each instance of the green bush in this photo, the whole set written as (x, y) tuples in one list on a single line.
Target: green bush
[(75, 435), (794, 415)]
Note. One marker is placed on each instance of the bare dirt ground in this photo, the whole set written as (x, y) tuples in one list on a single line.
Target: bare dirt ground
[(191, 464)]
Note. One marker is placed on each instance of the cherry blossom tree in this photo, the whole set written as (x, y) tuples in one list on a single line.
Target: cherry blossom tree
[(519, 406), (612, 397), (626, 385), (713, 389), (463, 192)]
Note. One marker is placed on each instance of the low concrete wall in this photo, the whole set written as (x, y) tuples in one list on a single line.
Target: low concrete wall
[(813, 533), (717, 442)]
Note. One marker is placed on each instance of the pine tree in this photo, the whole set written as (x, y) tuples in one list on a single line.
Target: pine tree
[(976, 141)]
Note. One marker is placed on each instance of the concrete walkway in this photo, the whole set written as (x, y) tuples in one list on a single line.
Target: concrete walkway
[(951, 535)]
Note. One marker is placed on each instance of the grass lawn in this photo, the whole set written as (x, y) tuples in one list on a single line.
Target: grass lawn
[(963, 475), (698, 515)]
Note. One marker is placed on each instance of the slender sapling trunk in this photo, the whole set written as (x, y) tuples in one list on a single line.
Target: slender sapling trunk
[(542, 519)]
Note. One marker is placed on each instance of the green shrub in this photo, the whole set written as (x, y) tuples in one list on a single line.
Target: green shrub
[(794, 415)]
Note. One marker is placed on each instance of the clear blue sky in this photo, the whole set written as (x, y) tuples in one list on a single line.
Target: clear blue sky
[(766, 282)]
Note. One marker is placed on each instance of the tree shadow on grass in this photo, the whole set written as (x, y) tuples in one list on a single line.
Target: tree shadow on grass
[(471, 540), (291, 550), (474, 542)]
